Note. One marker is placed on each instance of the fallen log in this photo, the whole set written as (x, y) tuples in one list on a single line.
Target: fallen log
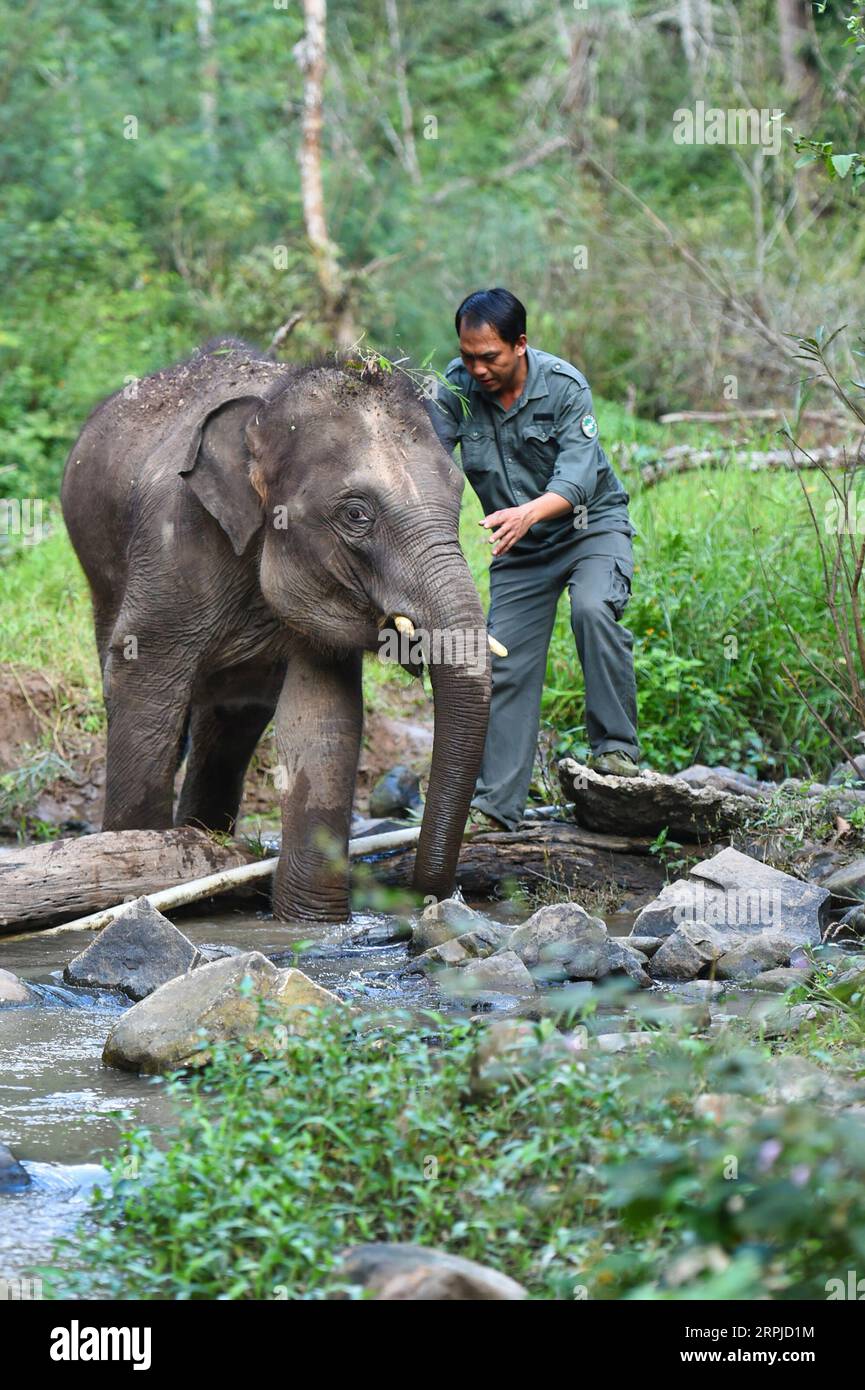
[(537, 852), (110, 867), (685, 459)]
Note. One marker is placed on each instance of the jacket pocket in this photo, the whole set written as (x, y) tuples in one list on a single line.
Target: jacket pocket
[(540, 450), (477, 450)]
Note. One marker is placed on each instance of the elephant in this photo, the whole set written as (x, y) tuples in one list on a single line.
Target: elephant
[(248, 529)]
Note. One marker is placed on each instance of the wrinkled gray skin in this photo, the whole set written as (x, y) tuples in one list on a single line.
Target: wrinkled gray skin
[(245, 526)]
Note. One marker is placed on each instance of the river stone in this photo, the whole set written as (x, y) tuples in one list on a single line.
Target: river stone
[(13, 990), (649, 803), (646, 945), (687, 951), (555, 936), (753, 957), (403, 1273), (459, 950), (13, 1178), (442, 921), (136, 953), (848, 882), (503, 973), (779, 980), (622, 957), (507, 1045), (397, 791), (737, 894), (162, 1031)]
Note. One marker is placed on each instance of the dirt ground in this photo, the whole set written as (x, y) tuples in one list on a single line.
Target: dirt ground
[(52, 771)]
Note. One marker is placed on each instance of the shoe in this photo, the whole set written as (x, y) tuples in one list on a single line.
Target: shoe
[(614, 764), (479, 820)]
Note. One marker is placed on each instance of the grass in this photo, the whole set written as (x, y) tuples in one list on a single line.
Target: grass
[(708, 639), (580, 1174)]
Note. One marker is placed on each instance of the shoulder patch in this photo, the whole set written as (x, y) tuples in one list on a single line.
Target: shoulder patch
[(589, 426)]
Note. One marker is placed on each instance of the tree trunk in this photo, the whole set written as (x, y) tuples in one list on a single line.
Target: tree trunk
[(209, 75), (311, 59)]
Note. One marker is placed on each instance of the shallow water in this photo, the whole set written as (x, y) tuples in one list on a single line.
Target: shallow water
[(62, 1112)]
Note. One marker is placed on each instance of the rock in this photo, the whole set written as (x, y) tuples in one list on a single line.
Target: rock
[(647, 804), (647, 945), (442, 921), (397, 791), (382, 933), (503, 973), (13, 990), (849, 983), (753, 957), (400, 1273), (733, 892), (624, 1042), (562, 942), (780, 980), (699, 990), (848, 882), (622, 957), (215, 950), (782, 1021), (13, 1178), (854, 920), (793, 1080), (136, 953), (162, 1031), (687, 951), (470, 945), (843, 772), (509, 1045), (725, 779)]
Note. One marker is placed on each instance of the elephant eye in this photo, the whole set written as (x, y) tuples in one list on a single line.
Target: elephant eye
[(356, 513)]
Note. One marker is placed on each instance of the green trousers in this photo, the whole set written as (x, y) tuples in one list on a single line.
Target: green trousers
[(524, 594)]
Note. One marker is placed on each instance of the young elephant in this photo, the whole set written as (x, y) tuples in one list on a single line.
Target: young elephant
[(248, 529)]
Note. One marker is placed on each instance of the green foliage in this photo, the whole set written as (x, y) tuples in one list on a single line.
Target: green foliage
[(580, 1174)]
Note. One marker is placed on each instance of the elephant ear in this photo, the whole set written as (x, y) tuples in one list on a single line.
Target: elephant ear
[(217, 470)]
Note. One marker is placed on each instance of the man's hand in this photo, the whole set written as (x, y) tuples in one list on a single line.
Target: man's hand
[(511, 524)]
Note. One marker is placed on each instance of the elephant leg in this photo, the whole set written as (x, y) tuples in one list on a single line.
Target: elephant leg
[(319, 721), (147, 703), (222, 741)]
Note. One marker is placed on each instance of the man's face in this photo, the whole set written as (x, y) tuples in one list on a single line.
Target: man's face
[(494, 364)]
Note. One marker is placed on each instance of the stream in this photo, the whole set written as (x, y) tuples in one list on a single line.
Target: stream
[(60, 1108)]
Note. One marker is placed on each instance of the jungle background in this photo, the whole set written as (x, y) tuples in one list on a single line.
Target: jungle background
[(309, 175)]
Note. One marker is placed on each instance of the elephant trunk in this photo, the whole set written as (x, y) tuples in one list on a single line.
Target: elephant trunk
[(459, 667)]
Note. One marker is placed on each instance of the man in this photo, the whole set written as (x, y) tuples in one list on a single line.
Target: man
[(557, 515)]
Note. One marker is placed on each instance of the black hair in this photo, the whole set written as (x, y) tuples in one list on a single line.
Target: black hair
[(499, 308)]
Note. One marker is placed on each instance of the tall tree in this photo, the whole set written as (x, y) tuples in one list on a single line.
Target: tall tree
[(311, 55)]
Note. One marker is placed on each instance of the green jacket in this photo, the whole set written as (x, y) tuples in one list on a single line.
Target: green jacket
[(546, 442)]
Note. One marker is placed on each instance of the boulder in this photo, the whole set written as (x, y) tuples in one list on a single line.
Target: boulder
[(459, 950), (503, 973), (687, 952), (646, 945), (649, 803), (13, 1178), (442, 921), (13, 990), (164, 1031), (734, 893), (401, 1273), (753, 957), (621, 956), (136, 953), (395, 793), (562, 942), (780, 980), (847, 882)]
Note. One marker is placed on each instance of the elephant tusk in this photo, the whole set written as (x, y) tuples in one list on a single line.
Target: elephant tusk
[(403, 624), (496, 647)]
